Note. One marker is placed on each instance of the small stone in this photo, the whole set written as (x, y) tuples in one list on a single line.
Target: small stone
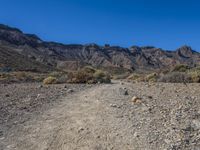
[(65, 86), (136, 135), (80, 129), (136, 100), (7, 95), (70, 91), (40, 86), (150, 97), (98, 137), (196, 124), (193, 97), (167, 141), (113, 105), (126, 92)]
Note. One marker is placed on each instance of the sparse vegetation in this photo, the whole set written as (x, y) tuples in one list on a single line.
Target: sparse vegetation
[(179, 74), (176, 77), (180, 68), (21, 76), (182, 73)]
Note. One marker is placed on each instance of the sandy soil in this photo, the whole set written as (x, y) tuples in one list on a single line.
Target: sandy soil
[(103, 117)]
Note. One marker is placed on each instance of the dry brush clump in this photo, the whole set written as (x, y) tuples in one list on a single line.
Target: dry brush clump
[(89, 75), (50, 80), (101, 76), (182, 74), (140, 77)]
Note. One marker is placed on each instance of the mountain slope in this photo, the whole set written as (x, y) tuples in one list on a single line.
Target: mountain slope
[(71, 57)]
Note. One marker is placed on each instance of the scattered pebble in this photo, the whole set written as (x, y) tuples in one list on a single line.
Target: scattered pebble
[(80, 129), (70, 91), (7, 95), (113, 105), (126, 92), (136, 100)]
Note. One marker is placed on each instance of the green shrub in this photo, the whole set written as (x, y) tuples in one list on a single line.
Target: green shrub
[(50, 80)]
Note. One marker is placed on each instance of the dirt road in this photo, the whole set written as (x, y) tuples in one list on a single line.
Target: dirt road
[(103, 117)]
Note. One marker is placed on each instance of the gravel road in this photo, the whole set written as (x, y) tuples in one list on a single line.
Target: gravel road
[(102, 117)]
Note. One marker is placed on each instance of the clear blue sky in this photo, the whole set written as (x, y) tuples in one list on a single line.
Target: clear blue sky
[(162, 23)]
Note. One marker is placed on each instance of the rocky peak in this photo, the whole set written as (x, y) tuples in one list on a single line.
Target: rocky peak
[(185, 51), (135, 50), (17, 37)]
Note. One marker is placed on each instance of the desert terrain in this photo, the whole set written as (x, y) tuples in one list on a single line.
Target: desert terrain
[(100, 116)]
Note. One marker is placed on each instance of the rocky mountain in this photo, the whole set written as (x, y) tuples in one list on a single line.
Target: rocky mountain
[(28, 52)]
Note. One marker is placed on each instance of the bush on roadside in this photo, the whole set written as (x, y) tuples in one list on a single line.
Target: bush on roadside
[(50, 80), (80, 77), (195, 76), (153, 77), (88, 75), (102, 77), (176, 77)]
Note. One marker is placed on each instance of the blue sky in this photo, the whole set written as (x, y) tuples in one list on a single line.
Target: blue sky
[(162, 23)]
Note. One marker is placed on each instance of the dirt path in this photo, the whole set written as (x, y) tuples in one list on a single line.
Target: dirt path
[(103, 118)]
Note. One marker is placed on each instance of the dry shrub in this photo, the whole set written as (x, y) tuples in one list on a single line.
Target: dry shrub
[(102, 77), (153, 77), (121, 76), (195, 76), (176, 77), (88, 75), (134, 77), (89, 69), (50, 80), (80, 77)]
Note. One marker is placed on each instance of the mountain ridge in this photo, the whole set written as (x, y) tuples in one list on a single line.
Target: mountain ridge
[(73, 56)]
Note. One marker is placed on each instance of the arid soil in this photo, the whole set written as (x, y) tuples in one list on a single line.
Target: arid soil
[(100, 117)]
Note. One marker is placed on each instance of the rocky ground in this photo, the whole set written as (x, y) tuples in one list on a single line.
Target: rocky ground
[(118, 116)]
